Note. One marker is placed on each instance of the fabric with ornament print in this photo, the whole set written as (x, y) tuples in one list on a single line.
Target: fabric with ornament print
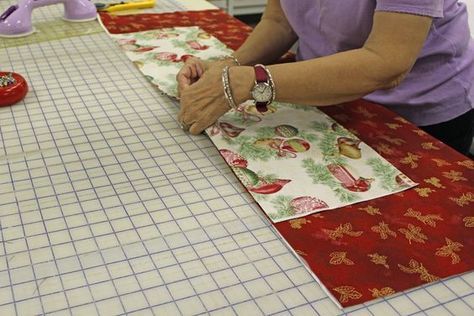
[(295, 160), (160, 54), (325, 166), (379, 247)]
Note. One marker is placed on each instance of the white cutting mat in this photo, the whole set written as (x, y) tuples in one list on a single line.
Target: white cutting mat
[(107, 207)]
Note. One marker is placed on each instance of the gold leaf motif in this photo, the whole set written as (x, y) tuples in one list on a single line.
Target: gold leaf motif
[(298, 223), (420, 132), (340, 257), (317, 215), (454, 176), (464, 199), (401, 120), (441, 162), (364, 112), (468, 221), (429, 146), (391, 140), (413, 233), (435, 182), (428, 219), (449, 250), (469, 164), (385, 291), (342, 230), (369, 123), (424, 192), (378, 259), (384, 149), (393, 126), (415, 267), (384, 231), (371, 210), (411, 160), (347, 292)]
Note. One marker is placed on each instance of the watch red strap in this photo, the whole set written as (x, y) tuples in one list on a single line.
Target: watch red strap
[(261, 106), (261, 76)]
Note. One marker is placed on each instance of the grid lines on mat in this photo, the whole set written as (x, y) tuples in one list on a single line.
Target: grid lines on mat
[(107, 207)]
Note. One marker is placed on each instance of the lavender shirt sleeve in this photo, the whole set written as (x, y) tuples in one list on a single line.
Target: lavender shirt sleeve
[(432, 8)]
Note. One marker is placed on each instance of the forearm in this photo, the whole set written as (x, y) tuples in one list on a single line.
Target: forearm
[(271, 38), (387, 56), (322, 81), (334, 79)]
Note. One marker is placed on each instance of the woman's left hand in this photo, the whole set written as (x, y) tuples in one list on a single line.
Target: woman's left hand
[(203, 102)]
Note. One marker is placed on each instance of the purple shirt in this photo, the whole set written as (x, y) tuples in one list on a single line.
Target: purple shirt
[(440, 85)]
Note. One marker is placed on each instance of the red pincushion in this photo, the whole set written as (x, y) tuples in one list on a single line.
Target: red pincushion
[(15, 92)]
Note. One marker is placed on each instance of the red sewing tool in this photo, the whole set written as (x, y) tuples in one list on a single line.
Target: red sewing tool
[(13, 88)]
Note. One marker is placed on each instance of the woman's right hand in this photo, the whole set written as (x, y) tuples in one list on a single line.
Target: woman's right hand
[(192, 70), (195, 67)]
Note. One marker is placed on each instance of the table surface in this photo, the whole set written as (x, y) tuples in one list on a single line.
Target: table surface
[(107, 207)]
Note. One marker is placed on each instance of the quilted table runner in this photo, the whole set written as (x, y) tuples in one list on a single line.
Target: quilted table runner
[(361, 251), (294, 160)]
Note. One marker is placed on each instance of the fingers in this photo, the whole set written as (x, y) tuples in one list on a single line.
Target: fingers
[(200, 69), (190, 73), (192, 70), (202, 103), (198, 127), (184, 78), (197, 69), (191, 116)]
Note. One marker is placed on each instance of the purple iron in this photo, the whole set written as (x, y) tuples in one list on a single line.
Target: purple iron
[(16, 20)]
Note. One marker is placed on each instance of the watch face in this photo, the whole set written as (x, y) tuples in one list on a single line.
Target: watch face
[(262, 92)]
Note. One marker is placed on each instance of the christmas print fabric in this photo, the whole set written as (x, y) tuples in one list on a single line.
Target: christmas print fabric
[(294, 160), (160, 54)]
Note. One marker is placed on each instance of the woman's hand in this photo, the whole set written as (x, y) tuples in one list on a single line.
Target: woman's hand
[(202, 101), (195, 67), (202, 93), (192, 70)]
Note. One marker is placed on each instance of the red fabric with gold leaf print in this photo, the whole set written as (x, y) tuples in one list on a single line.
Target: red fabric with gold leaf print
[(226, 28), (399, 241), (382, 246)]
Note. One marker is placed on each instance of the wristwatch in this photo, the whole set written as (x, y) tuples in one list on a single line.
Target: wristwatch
[(263, 92)]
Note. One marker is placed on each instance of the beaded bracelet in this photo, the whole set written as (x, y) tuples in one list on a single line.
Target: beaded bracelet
[(227, 89)]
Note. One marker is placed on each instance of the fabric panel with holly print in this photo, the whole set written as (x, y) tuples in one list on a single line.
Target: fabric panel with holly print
[(296, 161)]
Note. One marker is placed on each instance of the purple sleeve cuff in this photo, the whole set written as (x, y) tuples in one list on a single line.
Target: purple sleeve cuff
[(432, 8)]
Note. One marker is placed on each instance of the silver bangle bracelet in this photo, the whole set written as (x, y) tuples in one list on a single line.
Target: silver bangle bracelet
[(236, 61), (227, 89), (272, 84)]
